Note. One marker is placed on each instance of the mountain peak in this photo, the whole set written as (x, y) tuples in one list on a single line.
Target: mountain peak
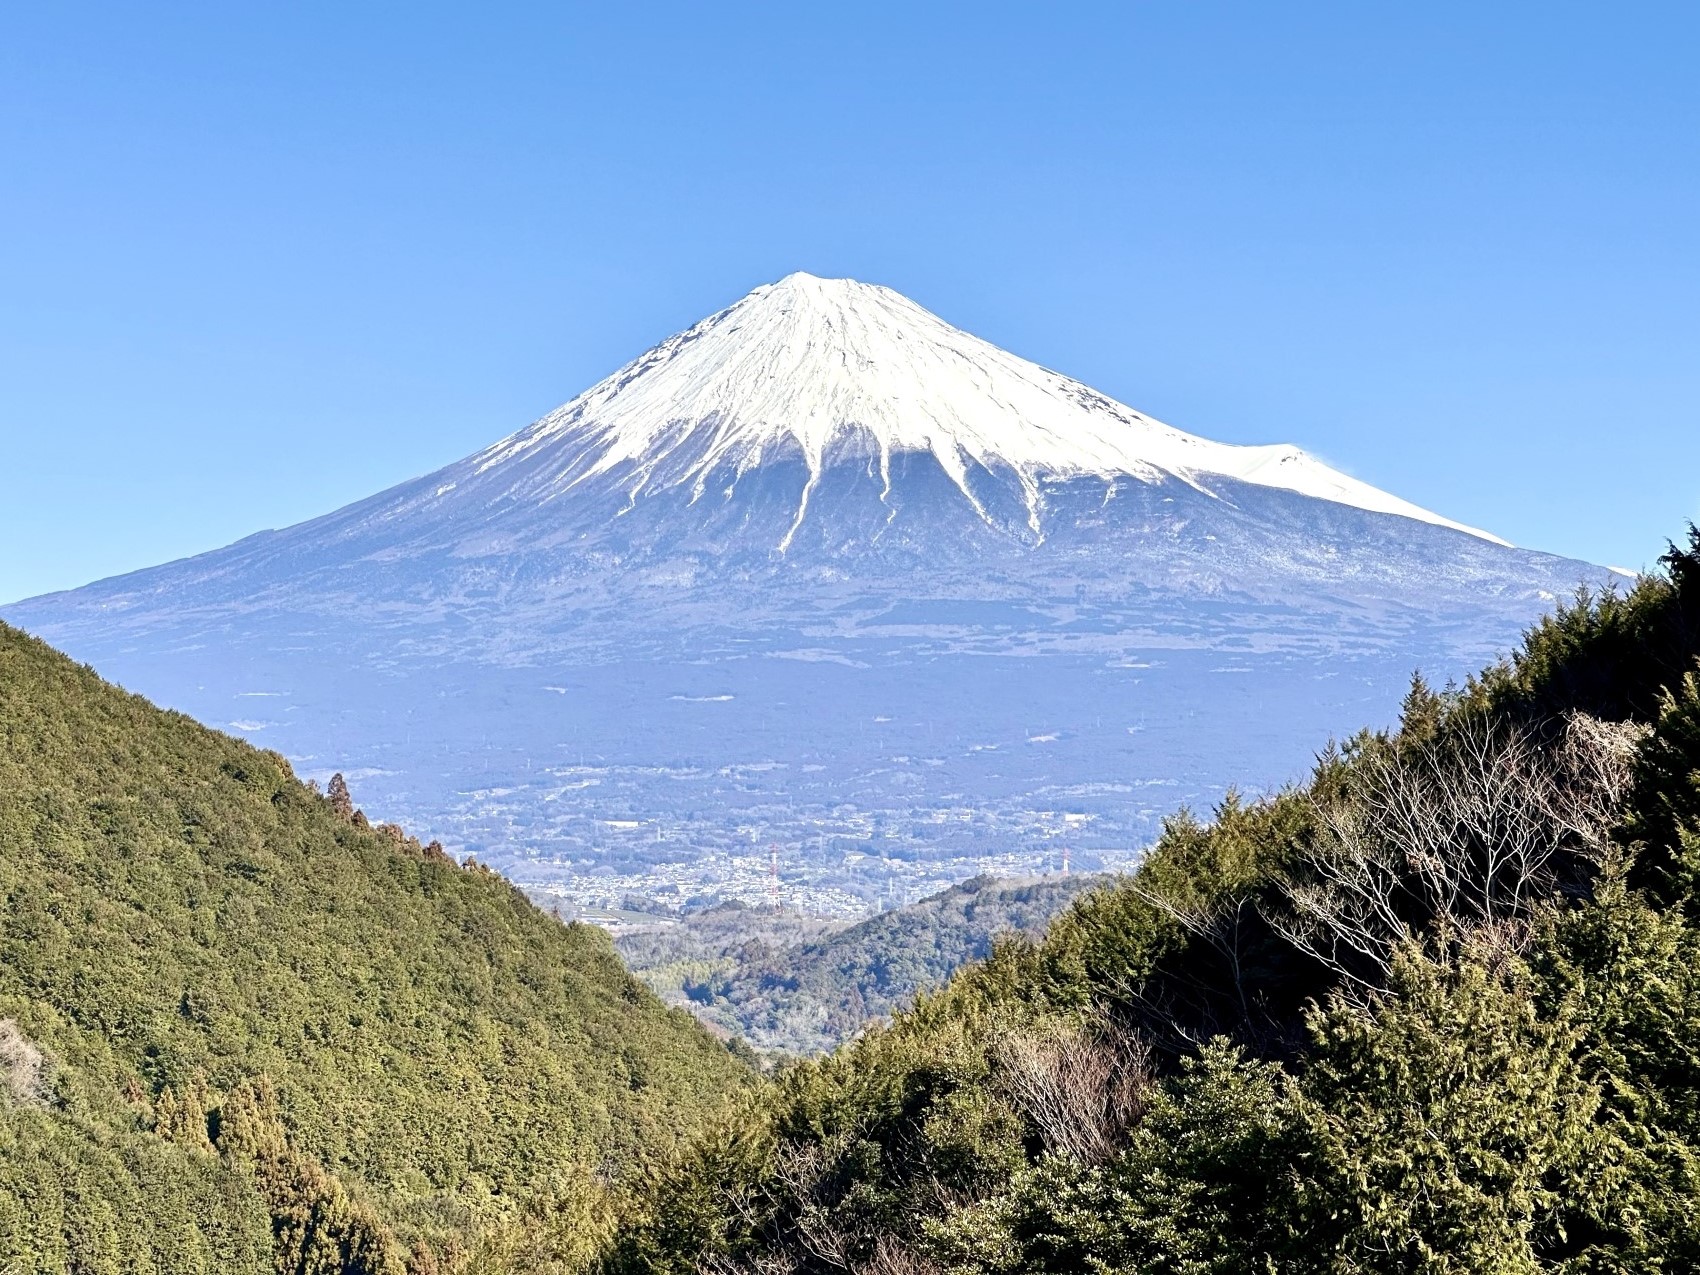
[(803, 281), (1006, 612), (818, 297), (836, 369)]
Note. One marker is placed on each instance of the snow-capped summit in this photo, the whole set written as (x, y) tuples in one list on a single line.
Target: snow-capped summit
[(839, 370), (826, 572)]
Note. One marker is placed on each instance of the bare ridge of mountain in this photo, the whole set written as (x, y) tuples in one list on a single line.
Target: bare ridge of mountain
[(826, 572)]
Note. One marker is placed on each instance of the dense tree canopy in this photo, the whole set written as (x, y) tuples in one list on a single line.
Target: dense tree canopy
[(249, 1022), (1436, 1010)]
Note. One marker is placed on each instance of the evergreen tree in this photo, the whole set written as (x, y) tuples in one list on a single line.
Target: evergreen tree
[(341, 802), (1421, 713)]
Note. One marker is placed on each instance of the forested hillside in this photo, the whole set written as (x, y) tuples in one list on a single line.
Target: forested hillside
[(241, 1030), (785, 986), (1437, 1009)]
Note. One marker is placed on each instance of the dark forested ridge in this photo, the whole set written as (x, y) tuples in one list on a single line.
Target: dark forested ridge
[(793, 986), (1436, 1010), (242, 1030)]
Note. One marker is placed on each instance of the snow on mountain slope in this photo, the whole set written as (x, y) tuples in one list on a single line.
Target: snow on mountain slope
[(827, 573), (828, 364)]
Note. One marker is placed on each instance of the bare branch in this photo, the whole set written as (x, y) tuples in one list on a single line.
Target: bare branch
[(1465, 836), (1081, 1091), (23, 1067)]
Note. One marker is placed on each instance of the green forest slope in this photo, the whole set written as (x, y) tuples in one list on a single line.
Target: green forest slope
[(1435, 1010), (238, 1027), (792, 990)]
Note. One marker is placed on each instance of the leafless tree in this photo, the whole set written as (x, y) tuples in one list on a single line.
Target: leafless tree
[(797, 1214), (23, 1067), (1219, 924), (1080, 1088), (1463, 837), (761, 1264), (892, 1257), (888, 1256), (801, 1170)]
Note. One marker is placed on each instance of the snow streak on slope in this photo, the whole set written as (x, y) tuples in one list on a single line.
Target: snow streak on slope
[(1010, 615), (839, 369)]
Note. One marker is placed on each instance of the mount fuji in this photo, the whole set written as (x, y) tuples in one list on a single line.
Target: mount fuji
[(827, 578)]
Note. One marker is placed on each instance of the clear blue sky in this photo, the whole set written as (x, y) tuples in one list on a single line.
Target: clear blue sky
[(258, 261)]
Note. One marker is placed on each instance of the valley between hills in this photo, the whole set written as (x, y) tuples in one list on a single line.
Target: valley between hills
[(1442, 993), (637, 848)]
